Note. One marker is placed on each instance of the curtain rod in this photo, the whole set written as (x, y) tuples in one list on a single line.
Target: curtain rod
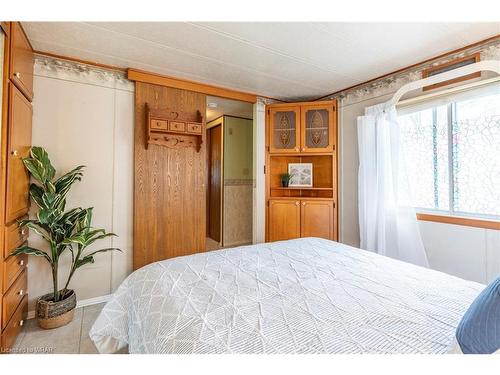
[(447, 91)]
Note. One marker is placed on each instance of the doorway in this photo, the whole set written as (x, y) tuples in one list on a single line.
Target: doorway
[(214, 190), (230, 173)]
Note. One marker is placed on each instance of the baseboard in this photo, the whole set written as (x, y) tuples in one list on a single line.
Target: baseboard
[(81, 303)]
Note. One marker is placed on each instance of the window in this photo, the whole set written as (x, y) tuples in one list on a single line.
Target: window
[(452, 154)]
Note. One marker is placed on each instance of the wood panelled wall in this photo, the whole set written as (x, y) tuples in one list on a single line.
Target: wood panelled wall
[(169, 183)]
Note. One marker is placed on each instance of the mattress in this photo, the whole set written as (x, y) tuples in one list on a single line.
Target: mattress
[(307, 295)]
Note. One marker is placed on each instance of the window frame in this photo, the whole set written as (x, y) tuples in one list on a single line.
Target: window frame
[(451, 216)]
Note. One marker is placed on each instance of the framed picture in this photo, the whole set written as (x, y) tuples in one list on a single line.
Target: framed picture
[(302, 174)]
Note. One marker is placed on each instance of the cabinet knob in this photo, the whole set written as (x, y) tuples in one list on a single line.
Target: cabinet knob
[(297, 203), (15, 153), (21, 292), (21, 263), (296, 149), (21, 323), (303, 203), (303, 148), (23, 232), (17, 74)]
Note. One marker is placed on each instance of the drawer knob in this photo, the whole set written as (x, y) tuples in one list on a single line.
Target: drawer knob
[(21, 263), (18, 75), (21, 292), (15, 153), (21, 323)]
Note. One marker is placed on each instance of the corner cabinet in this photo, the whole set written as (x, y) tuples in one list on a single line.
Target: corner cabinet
[(302, 133)]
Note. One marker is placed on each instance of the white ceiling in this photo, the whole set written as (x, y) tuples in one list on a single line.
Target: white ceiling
[(228, 107), (288, 61)]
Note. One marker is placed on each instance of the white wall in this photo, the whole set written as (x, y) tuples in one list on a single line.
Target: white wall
[(466, 252), (85, 116)]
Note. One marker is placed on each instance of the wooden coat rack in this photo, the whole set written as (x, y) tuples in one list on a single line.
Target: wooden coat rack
[(171, 128)]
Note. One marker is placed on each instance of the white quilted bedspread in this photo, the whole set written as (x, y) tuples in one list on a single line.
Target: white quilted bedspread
[(302, 296)]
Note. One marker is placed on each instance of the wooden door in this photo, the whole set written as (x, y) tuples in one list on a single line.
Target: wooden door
[(317, 219), (19, 143), (21, 60), (169, 182), (215, 183), (318, 127), (284, 129), (284, 219)]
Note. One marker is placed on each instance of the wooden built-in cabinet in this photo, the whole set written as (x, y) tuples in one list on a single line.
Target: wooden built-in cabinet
[(301, 133), (294, 218), (19, 143), (302, 127), (21, 60), (17, 93)]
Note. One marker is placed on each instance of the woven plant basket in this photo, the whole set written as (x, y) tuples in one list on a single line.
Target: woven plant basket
[(55, 314)]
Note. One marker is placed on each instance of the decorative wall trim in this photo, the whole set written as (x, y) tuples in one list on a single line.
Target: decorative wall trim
[(387, 85), (82, 303), (51, 67)]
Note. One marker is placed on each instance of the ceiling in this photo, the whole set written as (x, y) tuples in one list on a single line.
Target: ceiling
[(228, 107), (288, 61)]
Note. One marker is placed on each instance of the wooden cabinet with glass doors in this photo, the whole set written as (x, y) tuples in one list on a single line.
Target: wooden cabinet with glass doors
[(301, 133)]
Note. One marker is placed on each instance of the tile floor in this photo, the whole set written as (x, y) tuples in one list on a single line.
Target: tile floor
[(70, 339)]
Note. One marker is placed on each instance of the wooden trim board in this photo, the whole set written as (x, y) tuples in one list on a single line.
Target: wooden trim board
[(157, 79), (457, 220)]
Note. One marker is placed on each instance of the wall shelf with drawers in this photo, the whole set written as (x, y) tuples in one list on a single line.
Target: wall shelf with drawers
[(171, 128)]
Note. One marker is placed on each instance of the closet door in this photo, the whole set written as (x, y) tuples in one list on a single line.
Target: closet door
[(317, 219), (284, 219), (284, 129), (19, 143), (317, 128)]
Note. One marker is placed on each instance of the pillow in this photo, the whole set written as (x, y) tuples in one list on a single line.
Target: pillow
[(479, 330)]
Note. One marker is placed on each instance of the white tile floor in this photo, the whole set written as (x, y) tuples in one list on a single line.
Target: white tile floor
[(70, 339)]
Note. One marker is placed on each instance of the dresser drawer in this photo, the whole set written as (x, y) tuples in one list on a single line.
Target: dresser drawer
[(14, 237), (194, 128), (158, 124), (177, 126), (14, 296), (15, 324), (12, 267)]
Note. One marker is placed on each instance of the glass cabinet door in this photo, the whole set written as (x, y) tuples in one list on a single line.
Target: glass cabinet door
[(284, 135), (318, 128)]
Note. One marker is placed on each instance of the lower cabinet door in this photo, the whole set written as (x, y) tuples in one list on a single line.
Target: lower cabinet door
[(317, 219), (284, 219), (14, 326)]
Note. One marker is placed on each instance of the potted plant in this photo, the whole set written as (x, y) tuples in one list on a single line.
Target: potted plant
[(63, 230), (285, 179)]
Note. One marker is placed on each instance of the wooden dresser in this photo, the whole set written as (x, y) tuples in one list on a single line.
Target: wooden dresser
[(17, 94), (301, 133)]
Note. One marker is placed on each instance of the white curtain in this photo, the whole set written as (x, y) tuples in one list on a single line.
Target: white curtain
[(387, 220)]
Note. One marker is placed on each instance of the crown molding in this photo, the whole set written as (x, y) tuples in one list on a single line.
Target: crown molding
[(74, 71), (389, 84)]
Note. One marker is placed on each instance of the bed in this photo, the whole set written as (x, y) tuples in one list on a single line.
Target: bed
[(307, 295)]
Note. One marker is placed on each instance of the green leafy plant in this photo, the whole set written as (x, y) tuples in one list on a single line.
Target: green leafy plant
[(63, 230), (285, 179)]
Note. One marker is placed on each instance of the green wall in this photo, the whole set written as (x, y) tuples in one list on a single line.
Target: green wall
[(238, 148)]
